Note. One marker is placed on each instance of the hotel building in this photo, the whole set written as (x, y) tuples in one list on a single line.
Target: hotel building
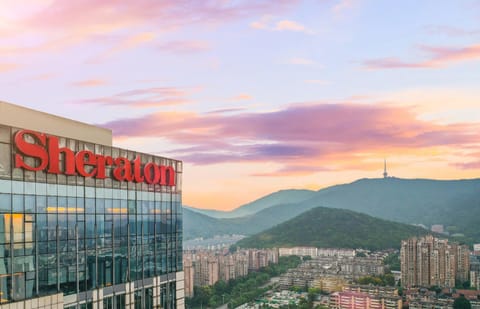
[(84, 224)]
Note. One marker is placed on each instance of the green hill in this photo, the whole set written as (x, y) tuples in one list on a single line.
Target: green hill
[(454, 203), (327, 227)]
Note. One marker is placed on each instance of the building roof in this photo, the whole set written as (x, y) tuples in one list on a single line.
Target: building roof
[(26, 118)]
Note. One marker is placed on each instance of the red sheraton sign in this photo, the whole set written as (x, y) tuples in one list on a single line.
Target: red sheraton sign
[(47, 151)]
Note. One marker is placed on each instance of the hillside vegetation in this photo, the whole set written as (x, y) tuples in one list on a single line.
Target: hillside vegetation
[(328, 227)]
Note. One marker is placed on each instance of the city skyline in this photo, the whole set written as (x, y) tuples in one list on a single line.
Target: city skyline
[(258, 96)]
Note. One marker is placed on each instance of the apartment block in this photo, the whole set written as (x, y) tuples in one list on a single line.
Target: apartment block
[(429, 261), (355, 300)]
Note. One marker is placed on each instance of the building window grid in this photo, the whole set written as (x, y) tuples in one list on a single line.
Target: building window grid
[(65, 226)]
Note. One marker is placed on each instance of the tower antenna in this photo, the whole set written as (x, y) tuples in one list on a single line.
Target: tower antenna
[(385, 174)]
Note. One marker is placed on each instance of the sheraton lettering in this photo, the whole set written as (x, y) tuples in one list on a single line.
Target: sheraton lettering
[(47, 151)]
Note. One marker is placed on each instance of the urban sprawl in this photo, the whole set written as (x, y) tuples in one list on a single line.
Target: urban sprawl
[(433, 273)]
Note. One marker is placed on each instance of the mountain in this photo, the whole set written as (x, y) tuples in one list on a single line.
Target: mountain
[(339, 228), (453, 203), (199, 225), (279, 197), (208, 212)]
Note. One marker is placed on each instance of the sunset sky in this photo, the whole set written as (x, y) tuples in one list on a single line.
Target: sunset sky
[(257, 96)]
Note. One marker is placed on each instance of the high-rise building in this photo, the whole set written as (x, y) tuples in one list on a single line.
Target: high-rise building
[(241, 265), (189, 273), (463, 264), (84, 224), (475, 271), (429, 261), (476, 249), (227, 267)]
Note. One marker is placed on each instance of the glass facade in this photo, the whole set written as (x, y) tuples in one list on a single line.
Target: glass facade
[(71, 234)]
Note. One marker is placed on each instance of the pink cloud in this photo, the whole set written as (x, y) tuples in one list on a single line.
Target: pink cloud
[(302, 61), (468, 165), (393, 63), (184, 46), (90, 83), (227, 110), (145, 97), (45, 76), (451, 31), (438, 57), (343, 5), (129, 42), (267, 23), (60, 24), (315, 133)]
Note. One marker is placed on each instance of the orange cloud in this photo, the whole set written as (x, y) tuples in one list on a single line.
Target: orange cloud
[(242, 97), (6, 67), (289, 25)]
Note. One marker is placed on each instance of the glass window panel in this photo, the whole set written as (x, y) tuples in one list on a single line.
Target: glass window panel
[(42, 247), (90, 224), (41, 176), (18, 285), (62, 201), (100, 205), (17, 174), (62, 179), (41, 203), (29, 203), (81, 230), (5, 202), (5, 155), (90, 205), (52, 179), (17, 203), (80, 205), (51, 202), (4, 134), (71, 202)]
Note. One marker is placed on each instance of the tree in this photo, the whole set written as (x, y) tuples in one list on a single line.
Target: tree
[(461, 303)]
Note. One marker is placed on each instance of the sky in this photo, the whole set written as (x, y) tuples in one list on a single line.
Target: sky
[(257, 96)]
